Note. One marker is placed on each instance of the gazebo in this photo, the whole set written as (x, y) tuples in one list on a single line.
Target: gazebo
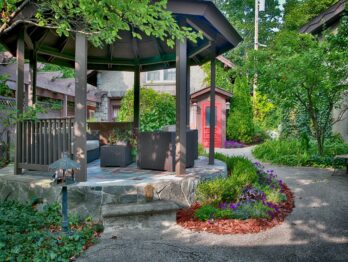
[(27, 41)]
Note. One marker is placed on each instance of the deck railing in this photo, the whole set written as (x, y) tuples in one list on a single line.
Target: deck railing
[(43, 141)]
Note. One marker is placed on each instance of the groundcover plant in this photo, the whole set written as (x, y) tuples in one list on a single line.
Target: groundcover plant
[(254, 193)]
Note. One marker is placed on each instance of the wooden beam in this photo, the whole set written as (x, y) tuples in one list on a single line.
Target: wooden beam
[(199, 49), (80, 124), (188, 92), (32, 78), (207, 32), (61, 46), (181, 104), (136, 117), (65, 106), (28, 40), (19, 98), (212, 104)]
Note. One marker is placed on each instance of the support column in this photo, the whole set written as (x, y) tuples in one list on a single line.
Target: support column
[(33, 78), (19, 98), (188, 89), (136, 112), (212, 105), (181, 106), (65, 106), (80, 148)]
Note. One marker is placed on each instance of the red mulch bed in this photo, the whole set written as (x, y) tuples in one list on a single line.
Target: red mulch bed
[(185, 218)]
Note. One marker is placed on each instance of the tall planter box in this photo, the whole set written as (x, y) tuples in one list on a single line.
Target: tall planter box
[(115, 155)]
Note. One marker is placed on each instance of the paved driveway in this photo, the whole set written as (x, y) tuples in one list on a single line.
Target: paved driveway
[(317, 230)]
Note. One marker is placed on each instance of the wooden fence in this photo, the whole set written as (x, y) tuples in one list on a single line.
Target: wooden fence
[(43, 141)]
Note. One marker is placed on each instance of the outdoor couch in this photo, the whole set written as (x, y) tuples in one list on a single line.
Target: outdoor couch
[(156, 150), (93, 146)]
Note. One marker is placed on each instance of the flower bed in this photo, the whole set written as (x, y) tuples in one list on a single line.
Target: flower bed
[(248, 201), (233, 144)]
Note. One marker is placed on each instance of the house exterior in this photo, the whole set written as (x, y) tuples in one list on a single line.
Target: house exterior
[(113, 86), (52, 89), (329, 22)]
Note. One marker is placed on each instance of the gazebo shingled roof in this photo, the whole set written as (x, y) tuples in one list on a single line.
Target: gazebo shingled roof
[(124, 54)]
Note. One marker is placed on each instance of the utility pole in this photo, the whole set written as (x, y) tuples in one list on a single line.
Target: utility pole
[(259, 6), (256, 47)]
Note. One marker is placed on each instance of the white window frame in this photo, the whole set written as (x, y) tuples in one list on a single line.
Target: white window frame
[(161, 80)]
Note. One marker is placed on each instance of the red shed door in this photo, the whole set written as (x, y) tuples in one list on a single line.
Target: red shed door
[(206, 124)]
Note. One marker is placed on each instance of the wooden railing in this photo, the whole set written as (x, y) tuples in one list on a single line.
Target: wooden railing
[(43, 141)]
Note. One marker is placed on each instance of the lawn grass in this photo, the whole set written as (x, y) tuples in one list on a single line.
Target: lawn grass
[(27, 234)]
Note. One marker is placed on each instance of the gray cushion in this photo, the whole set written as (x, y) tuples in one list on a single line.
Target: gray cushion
[(91, 145)]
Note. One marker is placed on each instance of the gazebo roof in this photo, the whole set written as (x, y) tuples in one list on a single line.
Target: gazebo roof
[(128, 53)]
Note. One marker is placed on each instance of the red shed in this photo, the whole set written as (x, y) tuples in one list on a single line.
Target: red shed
[(200, 115)]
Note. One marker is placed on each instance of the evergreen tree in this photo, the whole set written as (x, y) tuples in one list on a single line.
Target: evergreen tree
[(240, 125)]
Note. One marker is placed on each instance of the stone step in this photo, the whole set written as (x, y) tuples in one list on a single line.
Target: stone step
[(155, 214)]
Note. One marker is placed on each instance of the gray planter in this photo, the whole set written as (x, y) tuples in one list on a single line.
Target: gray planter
[(115, 155)]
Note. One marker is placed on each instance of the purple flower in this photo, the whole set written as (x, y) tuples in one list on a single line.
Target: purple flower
[(233, 206)]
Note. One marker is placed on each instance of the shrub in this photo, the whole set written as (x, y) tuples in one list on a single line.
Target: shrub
[(291, 152), (248, 192), (156, 109), (243, 173), (240, 125)]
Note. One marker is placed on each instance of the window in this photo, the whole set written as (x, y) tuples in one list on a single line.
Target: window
[(115, 111), (207, 116), (166, 75)]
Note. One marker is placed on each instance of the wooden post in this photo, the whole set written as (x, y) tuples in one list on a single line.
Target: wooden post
[(19, 98), (181, 106), (80, 128), (136, 117), (33, 78), (65, 106), (188, 93), (212, 106)]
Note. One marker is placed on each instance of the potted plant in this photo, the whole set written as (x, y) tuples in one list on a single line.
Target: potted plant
[(119, 150)]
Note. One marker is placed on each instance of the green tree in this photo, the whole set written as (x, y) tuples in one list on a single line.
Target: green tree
[(224, 76), (298, 12), (240, 125), (301, 74), (101, 21), (241, 14), (156, 109), (4, 89)]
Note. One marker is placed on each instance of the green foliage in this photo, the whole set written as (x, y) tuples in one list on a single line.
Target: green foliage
[(240, 125), (292, 152), (241, 173), (299, 12), (223, 77), (248, 210), (305, 78), (102, 21), (4, 89), (156, 109), (27, 234), (67, 72), (201, 150), (242, 17), (122, 135)]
